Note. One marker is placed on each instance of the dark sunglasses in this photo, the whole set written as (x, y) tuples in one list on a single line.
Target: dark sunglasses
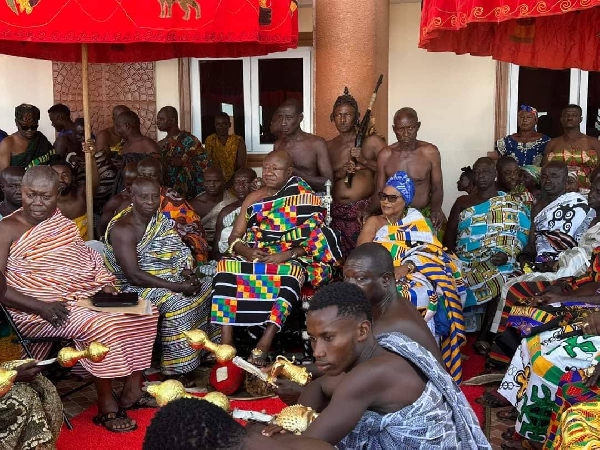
[(388, 198), (30, 128)]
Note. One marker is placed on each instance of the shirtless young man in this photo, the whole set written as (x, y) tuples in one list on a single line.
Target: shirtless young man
[(348, 201), (108, 138), (60, 118), (214, 192), (420, 160), (118, 202), (10, 183), (309, 152)]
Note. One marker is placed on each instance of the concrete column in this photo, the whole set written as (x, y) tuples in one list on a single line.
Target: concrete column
[(351, 49)]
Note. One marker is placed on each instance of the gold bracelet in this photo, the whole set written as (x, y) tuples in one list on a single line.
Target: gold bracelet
[(412, 267), (232, 246)]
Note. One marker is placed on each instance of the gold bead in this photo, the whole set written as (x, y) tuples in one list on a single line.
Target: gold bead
[(7, 378)]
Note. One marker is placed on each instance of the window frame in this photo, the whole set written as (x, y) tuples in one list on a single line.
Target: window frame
[(251, 95)]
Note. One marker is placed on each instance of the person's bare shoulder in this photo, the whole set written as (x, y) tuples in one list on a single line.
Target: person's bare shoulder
[(6, 144), (428, 148), (594, 143), (9, 227), (385, 152)]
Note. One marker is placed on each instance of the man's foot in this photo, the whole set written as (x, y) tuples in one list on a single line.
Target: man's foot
[(116, 422), (145, 401), (492, 400)]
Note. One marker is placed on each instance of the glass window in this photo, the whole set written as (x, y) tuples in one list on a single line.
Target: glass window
[(593, 105), (222, 90)]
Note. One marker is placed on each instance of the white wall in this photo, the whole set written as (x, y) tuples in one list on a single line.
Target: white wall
[(24, 80), (305, 19), (167, 86), (453, 95)]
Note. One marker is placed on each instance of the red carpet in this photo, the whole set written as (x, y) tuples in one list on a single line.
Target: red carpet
[(86, 435)]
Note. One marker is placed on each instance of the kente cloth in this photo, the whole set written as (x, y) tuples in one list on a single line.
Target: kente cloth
[(228, 222), (126, 158), (584, 161), (223, 156), (30, 416), (82, 226), (531, 381), (500, 224), (186, 222), (251, 293), (440, 418), (525, 153), (38, 153), (345, 220), (403, 184), (51, 262), (560, 225), (107, 173), (188, 178), (437, 281), (162, 253), (209, 221), (575, 420)]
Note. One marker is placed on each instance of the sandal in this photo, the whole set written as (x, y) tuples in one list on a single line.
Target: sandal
[(510, 415), (145, 401), (489, 400), (108, 421), (258, 358), (482, 348)]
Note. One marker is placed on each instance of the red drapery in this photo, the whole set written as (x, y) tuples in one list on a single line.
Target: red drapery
[(556, 35), (146, 30)]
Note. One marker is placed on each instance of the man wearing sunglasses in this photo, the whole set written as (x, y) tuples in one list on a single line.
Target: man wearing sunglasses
[(27, 147)]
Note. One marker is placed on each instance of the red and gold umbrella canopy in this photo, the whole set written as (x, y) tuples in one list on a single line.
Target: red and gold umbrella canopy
[(555, 34), (146, 30)]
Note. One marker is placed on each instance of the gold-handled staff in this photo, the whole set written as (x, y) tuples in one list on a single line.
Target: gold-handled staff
[(295, 419), (172, 390)]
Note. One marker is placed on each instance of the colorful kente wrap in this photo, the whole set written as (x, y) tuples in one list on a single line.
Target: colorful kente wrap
[(403, 184), (575, 420), (559, 225), (583, 161), (186, 222), (532, 379), (345, 219), (500, 224), (188, 178), (525, 153), (436, 284), (38, 153), (223, 156), (162, 253), (249, 293)]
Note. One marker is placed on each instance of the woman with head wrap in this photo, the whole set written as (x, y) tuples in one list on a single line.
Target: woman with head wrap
[(526, 145), (425, 274)]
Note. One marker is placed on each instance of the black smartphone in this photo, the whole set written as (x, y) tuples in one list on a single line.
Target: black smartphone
[(103, 299)]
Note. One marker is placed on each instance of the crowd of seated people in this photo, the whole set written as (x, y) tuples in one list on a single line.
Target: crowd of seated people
[(206, 244)]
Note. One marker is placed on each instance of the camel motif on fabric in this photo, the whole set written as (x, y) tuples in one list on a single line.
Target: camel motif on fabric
[(166, 8)]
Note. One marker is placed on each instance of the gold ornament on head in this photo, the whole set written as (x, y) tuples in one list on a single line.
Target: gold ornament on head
[(288, 369), (199, 340), (7, 378), (95, 352), (296, 419)]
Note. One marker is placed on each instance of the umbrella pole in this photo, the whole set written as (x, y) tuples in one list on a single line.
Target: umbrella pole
[(89, 193)]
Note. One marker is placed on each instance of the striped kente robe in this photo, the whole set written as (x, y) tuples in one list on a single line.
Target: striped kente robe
[(52, 263), (162, 253)]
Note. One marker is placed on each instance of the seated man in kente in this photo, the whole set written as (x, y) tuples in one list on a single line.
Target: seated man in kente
[(280, 242), (393, 394), (48, 269), (26, 147), (148, 257), (488, 230), (424, 272), (119, 202), (176, 208)]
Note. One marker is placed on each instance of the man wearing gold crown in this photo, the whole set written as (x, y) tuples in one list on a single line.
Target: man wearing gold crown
[(49, 269)]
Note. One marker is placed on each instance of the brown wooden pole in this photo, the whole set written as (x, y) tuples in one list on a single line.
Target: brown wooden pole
[(89, 193)]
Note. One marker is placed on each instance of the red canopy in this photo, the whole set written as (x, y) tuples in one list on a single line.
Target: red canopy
[(146, 30), (558, 34)]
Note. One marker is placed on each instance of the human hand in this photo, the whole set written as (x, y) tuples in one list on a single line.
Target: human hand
[(355, 152), (401, 272), (256, 184), (547, 298), (438, 218), (276, 258), (110, 289), (350, 167), (257, 254), (363, 216), (27, 372), (552, 289), (55, 313), (591, 325), (272, 429), (288, 391), (594, 377), (499, 258), (89, 146), (189, 287)]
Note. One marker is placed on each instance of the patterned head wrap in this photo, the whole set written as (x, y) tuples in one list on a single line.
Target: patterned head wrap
[(530, 109), (572, 173), (345, 99), (403, 184), (27, 113), (534, 171)]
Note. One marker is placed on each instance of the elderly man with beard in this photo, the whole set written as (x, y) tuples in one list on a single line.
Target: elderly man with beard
[(10, 183)]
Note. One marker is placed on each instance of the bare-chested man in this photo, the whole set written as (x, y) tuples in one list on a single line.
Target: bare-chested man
[(309, 152), (60, 118), (420, 160), (578, 151), (27, 147), (118, 202), (350, 201), (108, 140), (10, 183), (71, 199)]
